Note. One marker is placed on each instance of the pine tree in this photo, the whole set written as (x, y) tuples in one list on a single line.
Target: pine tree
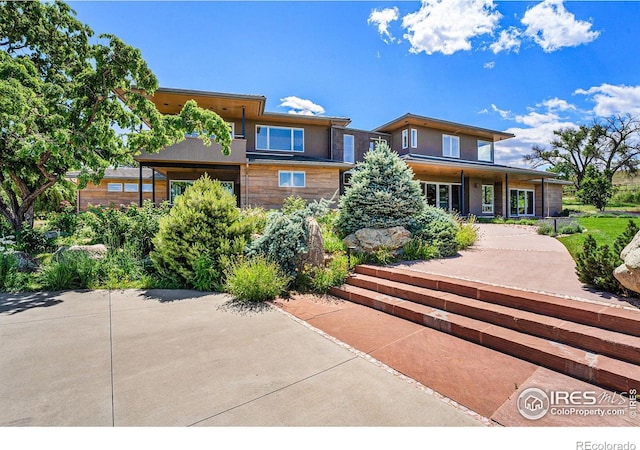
[(382, 194)]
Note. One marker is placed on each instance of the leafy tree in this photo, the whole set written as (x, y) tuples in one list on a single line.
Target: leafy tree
[(63, 95), (382, 194), (596, 188), (611, 144)]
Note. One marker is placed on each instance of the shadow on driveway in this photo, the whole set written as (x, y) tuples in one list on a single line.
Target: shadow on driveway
[(16, 303)]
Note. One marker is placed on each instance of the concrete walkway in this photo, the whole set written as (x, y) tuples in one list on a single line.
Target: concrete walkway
[(517, 256), (183, 358)]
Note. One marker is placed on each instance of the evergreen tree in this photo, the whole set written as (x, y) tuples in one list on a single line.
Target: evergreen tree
[(596, 188), (382, 194)]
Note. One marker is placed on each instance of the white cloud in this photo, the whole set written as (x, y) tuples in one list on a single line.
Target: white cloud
[(490, 65), (301, 106), (556, 104), (536, 119), (611, 99), (508, 40), (503, 113), (447, 26), (552, 27), (382, 18)]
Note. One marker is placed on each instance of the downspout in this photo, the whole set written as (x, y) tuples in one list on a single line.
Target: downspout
[(246, 184), (244, 124), (462, 192), (543, 199), (140, 187), (153, 186), (506, 195), (331, 142)]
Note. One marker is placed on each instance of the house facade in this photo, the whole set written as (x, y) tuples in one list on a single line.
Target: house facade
[(275, 155)]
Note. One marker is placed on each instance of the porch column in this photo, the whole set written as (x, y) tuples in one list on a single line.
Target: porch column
[(244, 124), (140, 187), (543, 202), (462, 192), (153, 186), (506, 194)]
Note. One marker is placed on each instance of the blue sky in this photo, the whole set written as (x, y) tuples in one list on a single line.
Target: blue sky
[(524, 67)]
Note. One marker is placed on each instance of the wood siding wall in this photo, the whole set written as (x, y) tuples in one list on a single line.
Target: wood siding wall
[(261, 185), (98, 195)]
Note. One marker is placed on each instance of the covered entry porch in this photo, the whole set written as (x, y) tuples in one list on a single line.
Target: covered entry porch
[(485, 189)]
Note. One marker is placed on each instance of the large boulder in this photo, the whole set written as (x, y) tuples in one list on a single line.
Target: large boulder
[(314, 256), (628, 273), (370, 240), (25, 262)]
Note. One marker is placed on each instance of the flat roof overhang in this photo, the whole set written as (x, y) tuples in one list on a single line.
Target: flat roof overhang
[(444, 125), (448, 167)]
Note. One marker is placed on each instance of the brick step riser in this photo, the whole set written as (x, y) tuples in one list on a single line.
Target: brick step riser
[(554, 333), (510, 298), (604, 378)]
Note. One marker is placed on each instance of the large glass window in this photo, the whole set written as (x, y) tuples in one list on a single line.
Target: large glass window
[(114, 187), (147, 187), (348, 148), (405, 138), (131, 187), (485, 151), (279, 138), (487, 199), (450, 146), (522, 202), (442, 195), (414, 138), (177, 187), (288, 178)]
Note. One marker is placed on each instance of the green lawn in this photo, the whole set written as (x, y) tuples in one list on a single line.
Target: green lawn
[(605, 230)]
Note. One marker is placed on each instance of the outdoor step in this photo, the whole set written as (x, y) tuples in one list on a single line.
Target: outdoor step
[(597, 340), (591, 367), (612, 318)]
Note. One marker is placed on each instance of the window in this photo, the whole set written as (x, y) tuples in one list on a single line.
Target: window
[(131, 187), (414, 138), (487, 199), (485, 151), (177, 187), (279, 138), (147, 187), (405, 138), (195, 134), (114, 187), (288, 178), (228, 185), (450, 146), (442, 195), (348, 150), (346, 178), (521, 202)]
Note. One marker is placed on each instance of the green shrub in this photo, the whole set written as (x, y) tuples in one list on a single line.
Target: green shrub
[(417, 249), (438, 228), (32, 240), (254, 218), (595, 266), (121, 269), (546, 229), (383, 193), (293, 203), (205, 277), (467, 234), (320, 279), (285, 236), (65, 219), (571, 228), (203, 220), (625, 238), (8, 266), (256, 279)]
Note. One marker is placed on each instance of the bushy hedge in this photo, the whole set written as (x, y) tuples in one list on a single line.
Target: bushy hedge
[(437, 228), (382, 194), (204, 223)]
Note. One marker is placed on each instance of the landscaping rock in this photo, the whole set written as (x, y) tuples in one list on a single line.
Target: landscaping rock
[(369, 240), (25, 262), (628, 273), (314, 256), (96, 251)]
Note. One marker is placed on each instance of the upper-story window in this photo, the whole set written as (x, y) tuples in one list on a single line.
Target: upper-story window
[(414, 138), (450, 146), (348, 148), (485, 151), (279, 138), (405, 138), (195, 134)]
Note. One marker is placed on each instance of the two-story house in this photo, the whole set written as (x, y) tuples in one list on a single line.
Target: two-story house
[(275, 155)]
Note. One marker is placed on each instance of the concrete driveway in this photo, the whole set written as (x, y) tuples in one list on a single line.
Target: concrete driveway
[(183, 358)]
